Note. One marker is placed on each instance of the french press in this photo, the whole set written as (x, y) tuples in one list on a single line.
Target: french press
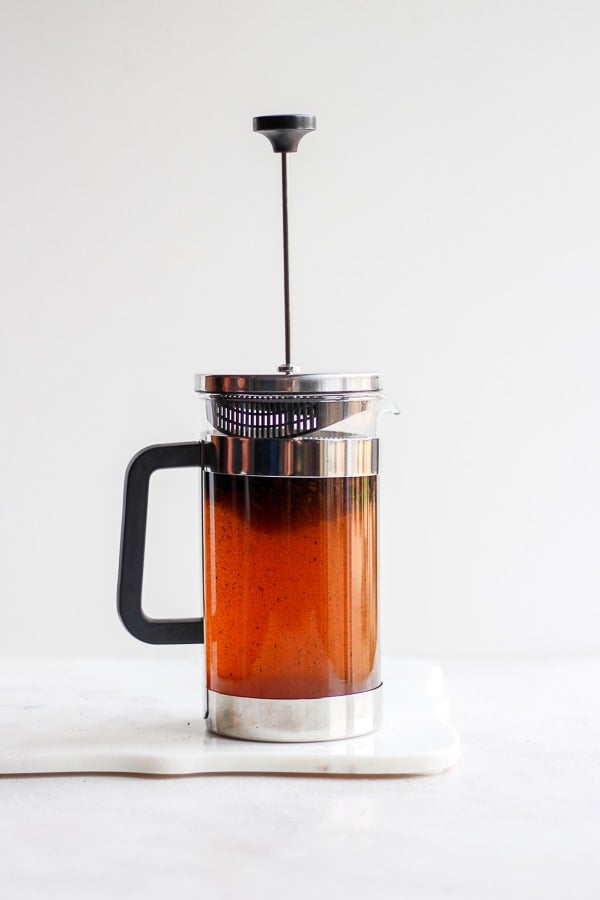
[(289, 466)]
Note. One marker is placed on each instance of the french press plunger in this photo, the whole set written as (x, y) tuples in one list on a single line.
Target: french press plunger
[(289, 466)]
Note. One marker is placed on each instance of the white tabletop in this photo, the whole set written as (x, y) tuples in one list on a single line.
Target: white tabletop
[(519, 816)]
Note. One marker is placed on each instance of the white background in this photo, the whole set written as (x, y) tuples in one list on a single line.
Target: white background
[(444, 228)]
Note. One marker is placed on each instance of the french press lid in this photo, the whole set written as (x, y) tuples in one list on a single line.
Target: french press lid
[(286, 384), (283, 405)]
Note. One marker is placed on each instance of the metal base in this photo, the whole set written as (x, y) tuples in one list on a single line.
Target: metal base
[(323, 719)]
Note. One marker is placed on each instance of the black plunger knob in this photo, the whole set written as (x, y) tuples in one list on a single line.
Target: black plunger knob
[(285, 132)]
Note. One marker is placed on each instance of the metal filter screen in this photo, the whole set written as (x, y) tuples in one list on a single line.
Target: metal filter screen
[(271, 416)]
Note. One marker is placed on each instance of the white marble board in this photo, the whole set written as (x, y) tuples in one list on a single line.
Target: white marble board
[(145, 717)]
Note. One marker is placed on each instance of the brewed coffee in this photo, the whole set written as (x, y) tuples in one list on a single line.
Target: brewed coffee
[(290, 585)]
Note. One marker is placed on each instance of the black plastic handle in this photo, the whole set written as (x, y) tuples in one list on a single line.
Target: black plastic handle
[(133, 543)]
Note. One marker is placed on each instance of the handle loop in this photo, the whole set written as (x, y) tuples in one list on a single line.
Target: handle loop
[(133, 544)]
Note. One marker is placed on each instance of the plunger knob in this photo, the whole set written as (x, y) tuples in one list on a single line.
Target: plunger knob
[(285, 132)]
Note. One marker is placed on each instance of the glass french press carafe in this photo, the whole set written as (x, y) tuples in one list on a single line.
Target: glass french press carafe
[(289, 511)]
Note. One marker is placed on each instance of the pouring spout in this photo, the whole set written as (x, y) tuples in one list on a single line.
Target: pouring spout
[(387, 404)]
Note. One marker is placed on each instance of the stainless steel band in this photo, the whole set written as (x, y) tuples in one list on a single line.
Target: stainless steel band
[(284, 384), (322, 719), (335, 457)]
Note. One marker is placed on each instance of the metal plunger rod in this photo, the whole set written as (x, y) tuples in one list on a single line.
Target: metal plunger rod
[(285, 133), (286, 264)]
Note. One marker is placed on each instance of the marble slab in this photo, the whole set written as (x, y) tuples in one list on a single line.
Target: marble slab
[(146, 718)]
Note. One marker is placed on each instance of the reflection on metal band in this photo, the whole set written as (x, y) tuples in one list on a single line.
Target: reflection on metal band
[(323, 719), (306, 457)]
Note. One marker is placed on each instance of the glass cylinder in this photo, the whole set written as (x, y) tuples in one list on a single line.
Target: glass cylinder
[(290, 560)]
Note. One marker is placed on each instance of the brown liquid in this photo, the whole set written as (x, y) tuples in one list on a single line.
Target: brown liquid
[(290, 585)]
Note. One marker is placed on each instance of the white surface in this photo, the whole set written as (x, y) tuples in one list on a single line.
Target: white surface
[(146, 718), (444, 229), (518, 817)]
